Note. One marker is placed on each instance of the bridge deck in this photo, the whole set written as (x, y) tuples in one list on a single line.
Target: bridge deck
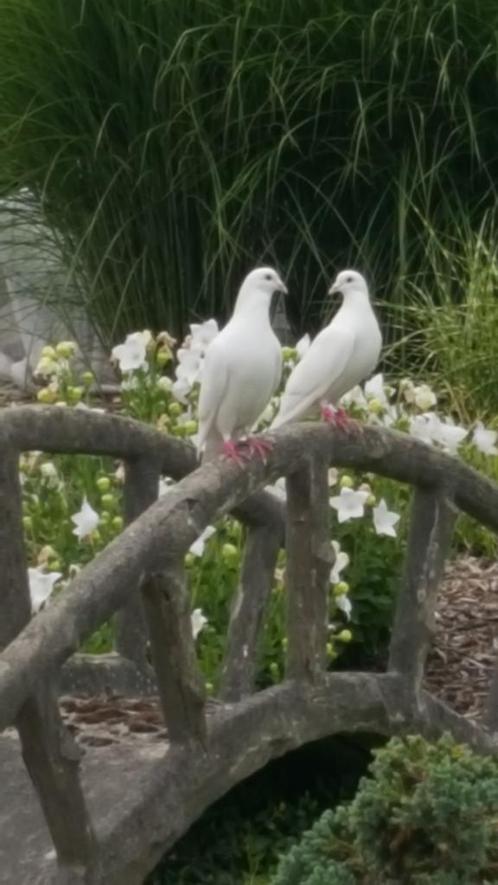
[(110, 775)]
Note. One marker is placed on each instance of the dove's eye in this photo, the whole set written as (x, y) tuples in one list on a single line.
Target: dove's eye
[(268, 276), (349, 280)]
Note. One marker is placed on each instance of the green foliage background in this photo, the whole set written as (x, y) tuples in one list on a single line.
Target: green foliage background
[(173, 145)]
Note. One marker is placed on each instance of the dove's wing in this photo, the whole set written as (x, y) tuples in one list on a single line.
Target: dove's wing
[(214, 384), (320, 368)]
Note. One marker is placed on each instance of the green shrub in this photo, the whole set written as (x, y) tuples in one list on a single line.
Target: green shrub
[(173, 144), (454, 321), (427, 816)]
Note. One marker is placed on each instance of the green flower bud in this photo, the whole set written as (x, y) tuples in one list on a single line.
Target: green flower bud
[(117, 523), (230, 554), (274, 671), (190, 427), (346, 482), (341, 588), (27, 523), (46, 395), (65, 349), (103, 484), (289, 353), (108, 501), (49, 352), (375, 406), (163, 357), (174, 409), (344, 636), (74, 394)]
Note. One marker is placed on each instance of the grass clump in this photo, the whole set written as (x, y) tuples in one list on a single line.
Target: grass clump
[(172, 144)]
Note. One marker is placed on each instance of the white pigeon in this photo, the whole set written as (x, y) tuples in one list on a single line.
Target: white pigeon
[(342, 355), (242, 371)]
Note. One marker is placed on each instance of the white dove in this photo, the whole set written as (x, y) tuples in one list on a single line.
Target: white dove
[(242, 370), (342, 355)]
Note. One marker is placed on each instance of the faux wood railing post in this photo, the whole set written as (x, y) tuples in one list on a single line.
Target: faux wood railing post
[(258, 567), (49, 752), (432, 519), (140, 491), (309, 560), (181, 687)]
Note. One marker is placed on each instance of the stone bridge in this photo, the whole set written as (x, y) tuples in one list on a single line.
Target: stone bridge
[(106, 816)]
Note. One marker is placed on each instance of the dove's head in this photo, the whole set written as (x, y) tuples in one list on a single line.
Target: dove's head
[(349, 283), (258, 287)]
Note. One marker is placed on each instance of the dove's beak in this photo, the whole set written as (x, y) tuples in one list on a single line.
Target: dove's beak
[(335, 289), (282, 288)]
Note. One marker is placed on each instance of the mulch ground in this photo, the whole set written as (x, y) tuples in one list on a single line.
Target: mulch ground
[(461, 662)]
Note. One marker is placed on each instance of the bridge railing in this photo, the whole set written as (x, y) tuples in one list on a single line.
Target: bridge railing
[(141, 576)]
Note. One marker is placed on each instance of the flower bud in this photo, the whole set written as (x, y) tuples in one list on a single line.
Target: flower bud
[(289, 353), (375, 406), (108, 501), (174, 409), (344, 636), (74, 395), (46, 396), (163, 357), (49, 352), (230, 554), (190, 427), (65, 349), (164, 383)]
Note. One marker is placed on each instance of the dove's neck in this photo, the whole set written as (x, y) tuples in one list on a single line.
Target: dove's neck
[(252, 304), (356, 301)]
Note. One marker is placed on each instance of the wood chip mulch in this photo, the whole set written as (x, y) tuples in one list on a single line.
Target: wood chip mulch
[(466, 642)]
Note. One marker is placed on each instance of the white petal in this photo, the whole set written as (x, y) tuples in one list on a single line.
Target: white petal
[(181, 390), (354, 397), (41, 585), (85, 521), (198, 621), (385, 520), (423, 397), (131, 355), (374, 389), (197, 548), (343, 603), (449, 436), (484, 440), (203, 334), (341, 562), (349, 504)]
